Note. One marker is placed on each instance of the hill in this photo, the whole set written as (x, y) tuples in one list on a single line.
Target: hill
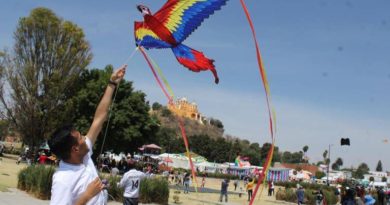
[(210, 127)]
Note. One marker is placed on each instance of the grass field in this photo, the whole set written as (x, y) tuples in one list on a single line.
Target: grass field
[(9, 171)]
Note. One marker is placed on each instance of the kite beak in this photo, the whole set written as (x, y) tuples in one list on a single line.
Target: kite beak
[(139, 7), (143, 9)]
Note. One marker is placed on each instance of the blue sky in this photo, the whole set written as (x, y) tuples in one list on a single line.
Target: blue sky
[(328, 64)]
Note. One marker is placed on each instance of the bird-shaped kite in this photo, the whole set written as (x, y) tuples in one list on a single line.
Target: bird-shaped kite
[(172, 24)]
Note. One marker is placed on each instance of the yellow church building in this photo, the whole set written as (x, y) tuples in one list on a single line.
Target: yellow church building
[(183, 108)]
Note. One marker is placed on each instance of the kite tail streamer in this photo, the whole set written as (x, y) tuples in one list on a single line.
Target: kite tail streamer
[(265, 172), (152, 66), (183, 134), (155, 75), (271, 112), (160, 73)]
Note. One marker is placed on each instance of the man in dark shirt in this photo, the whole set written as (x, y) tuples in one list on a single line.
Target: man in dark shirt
[(224, 186)]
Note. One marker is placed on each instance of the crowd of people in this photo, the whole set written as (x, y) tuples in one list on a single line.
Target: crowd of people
[(42, 156), (358, 195)]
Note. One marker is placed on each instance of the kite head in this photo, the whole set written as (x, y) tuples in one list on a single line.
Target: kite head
[(144, 10)]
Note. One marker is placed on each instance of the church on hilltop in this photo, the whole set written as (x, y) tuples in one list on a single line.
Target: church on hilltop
[(183, 108)]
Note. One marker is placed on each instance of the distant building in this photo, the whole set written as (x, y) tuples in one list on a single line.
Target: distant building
[(183, 108), (376, 175), (338, 176), (307, 167)]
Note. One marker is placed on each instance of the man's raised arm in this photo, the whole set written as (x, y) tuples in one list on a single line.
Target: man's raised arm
[(104, 104)]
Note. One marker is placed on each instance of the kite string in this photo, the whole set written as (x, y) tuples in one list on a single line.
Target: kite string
[(271, 111), (131, 55), (170, 101), (113, 102)]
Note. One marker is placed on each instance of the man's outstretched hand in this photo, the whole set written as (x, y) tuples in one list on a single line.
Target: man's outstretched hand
[(118, 75), (93, 188)]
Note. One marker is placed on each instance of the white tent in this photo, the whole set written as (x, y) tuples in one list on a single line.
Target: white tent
[(178, 161), (211, 167)]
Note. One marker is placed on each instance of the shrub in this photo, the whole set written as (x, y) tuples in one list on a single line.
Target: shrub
[(154, 190), (36, 180), (312, 186), (290, 196), (280, 195), (114, 191), (330, 197)]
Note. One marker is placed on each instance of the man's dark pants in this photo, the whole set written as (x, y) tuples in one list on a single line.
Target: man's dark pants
[(130, 201)]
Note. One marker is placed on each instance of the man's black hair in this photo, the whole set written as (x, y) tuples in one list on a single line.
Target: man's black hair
[(61, 142), (131, 164)]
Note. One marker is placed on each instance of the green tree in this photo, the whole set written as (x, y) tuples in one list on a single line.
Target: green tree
[(339, 162), (156, 106), (166, 112), (201, 145), (319, 174), (130, 124), (384, 179), (277, 157), (287, 157), (167, 138), (335, 166), (295, 157), (219, 154), (319, 163), (327, 161), (264, 152), (305, 148), (245, 142), (379, 166), (4, 127), (236, 147), (49, 54), (360, 171), (325, 155), (216, 123)]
